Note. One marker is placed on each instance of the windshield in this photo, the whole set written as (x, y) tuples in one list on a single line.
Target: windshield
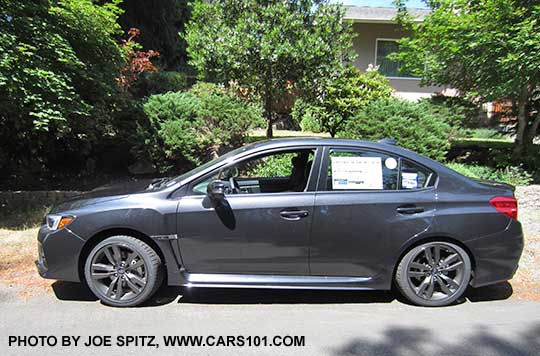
[(206, 165)]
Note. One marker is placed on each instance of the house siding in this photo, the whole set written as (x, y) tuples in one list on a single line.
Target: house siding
[(364, 45)]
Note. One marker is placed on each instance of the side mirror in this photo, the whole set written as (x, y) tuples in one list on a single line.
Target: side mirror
[(216, 190)]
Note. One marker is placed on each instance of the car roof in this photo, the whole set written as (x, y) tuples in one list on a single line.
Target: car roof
[(323, 141)]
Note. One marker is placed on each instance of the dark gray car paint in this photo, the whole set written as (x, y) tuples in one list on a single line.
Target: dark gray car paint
[(356, 235)]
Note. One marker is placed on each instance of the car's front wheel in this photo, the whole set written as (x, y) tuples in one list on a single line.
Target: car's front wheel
[(434, 274), (123, 271)]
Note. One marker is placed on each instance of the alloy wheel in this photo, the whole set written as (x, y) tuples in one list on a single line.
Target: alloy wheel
[(436, 272), (118, 272)]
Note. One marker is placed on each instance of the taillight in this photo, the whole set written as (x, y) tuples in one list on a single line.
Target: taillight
[(505, 205)]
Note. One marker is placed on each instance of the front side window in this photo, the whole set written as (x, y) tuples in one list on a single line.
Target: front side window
[(388, 67), (277, 172)]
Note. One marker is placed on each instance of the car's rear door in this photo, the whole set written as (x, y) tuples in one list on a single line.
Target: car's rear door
[(368, 204)]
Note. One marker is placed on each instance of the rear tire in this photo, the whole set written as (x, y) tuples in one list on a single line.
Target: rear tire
[(123, 271), (434, 274)]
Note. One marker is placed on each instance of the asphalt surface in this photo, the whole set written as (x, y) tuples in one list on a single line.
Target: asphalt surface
[(333, 323)]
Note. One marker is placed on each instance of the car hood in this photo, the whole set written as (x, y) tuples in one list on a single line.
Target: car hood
[(103, 194)]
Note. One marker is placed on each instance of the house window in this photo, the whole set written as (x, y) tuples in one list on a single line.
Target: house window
[(388, 67)]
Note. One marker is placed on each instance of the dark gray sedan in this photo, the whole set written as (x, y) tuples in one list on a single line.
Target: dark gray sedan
[(298, 213)]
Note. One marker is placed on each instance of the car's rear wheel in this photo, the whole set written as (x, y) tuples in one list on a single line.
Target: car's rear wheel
[(123, 271), (434, 274)]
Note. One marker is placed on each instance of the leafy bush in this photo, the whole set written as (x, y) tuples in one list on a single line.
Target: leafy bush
[(458, 112), (341, 98), (413, 125), (187, 127), (512, 175), (58, 65), (490, 134)]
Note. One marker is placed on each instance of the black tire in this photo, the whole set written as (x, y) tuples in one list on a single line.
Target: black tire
[(123, 271), (416, 277)]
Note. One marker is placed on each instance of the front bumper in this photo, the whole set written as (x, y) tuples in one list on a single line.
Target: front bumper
[(58, 254), (497, 256)]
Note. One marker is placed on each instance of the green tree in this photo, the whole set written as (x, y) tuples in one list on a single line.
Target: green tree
[(270, 47), (489, 50), (340, 98), (416, 126), (58, 64), (187, 127)]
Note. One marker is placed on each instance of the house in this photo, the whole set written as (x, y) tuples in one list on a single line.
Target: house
[(376, 37)]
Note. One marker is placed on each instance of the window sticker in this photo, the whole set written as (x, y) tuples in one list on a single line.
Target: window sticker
[(357, 173), (390, 163), (409, 180)]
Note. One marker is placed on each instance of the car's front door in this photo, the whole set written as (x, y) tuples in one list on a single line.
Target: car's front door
[(368, 205), (261, 226)]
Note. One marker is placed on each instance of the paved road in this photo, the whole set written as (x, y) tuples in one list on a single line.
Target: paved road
[(333, 323)]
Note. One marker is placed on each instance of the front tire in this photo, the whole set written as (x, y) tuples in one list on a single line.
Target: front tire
[(123, 271), (434, 274)]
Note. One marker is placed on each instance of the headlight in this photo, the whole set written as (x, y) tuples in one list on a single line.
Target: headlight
[(56, 222)]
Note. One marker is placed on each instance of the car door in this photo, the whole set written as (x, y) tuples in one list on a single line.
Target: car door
[(368, 204), (257, 230)]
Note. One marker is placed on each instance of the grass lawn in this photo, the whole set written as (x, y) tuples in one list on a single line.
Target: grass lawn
[(18, 250)]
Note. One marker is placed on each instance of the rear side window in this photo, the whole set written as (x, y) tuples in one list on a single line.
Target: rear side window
[(361, 170), (413, 176), (372, 170)]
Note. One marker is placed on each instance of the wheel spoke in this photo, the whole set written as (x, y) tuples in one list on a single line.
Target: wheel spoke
[(430, 288), (429, 256), (422, 287), (109, 256), (110, 290), (452, 267), (132, 286), (131, 257), (416, 274), (117, 254), (119, 290), (135, 265), (102, 275), (436, 254), (136, 279), (450, 281), (443, 286), (453, 257), (419, 266), (102, 267)]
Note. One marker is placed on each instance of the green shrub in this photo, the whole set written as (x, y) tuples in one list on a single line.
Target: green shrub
[(340, 99), (490, 134), (189, 127), (512, 175), (413, 125), (457, 111)]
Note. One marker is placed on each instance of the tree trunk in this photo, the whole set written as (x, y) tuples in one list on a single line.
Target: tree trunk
[(533, 129), (268, 115), (522, 120)]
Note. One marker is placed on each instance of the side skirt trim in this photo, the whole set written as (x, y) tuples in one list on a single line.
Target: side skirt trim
[(275, 282)]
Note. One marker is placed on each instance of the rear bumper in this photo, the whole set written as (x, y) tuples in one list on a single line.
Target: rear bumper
[(58, 254), (497, 256)]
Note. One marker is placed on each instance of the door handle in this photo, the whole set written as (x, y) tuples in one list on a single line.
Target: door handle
[(410, 209), (293, 214)]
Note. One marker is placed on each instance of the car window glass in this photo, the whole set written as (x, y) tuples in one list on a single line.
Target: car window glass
[(361, 170), (284, 171), (414, 176)]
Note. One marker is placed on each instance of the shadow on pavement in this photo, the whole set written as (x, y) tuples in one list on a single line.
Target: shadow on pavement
[(397, 341), (73, 291), (166, 295)]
